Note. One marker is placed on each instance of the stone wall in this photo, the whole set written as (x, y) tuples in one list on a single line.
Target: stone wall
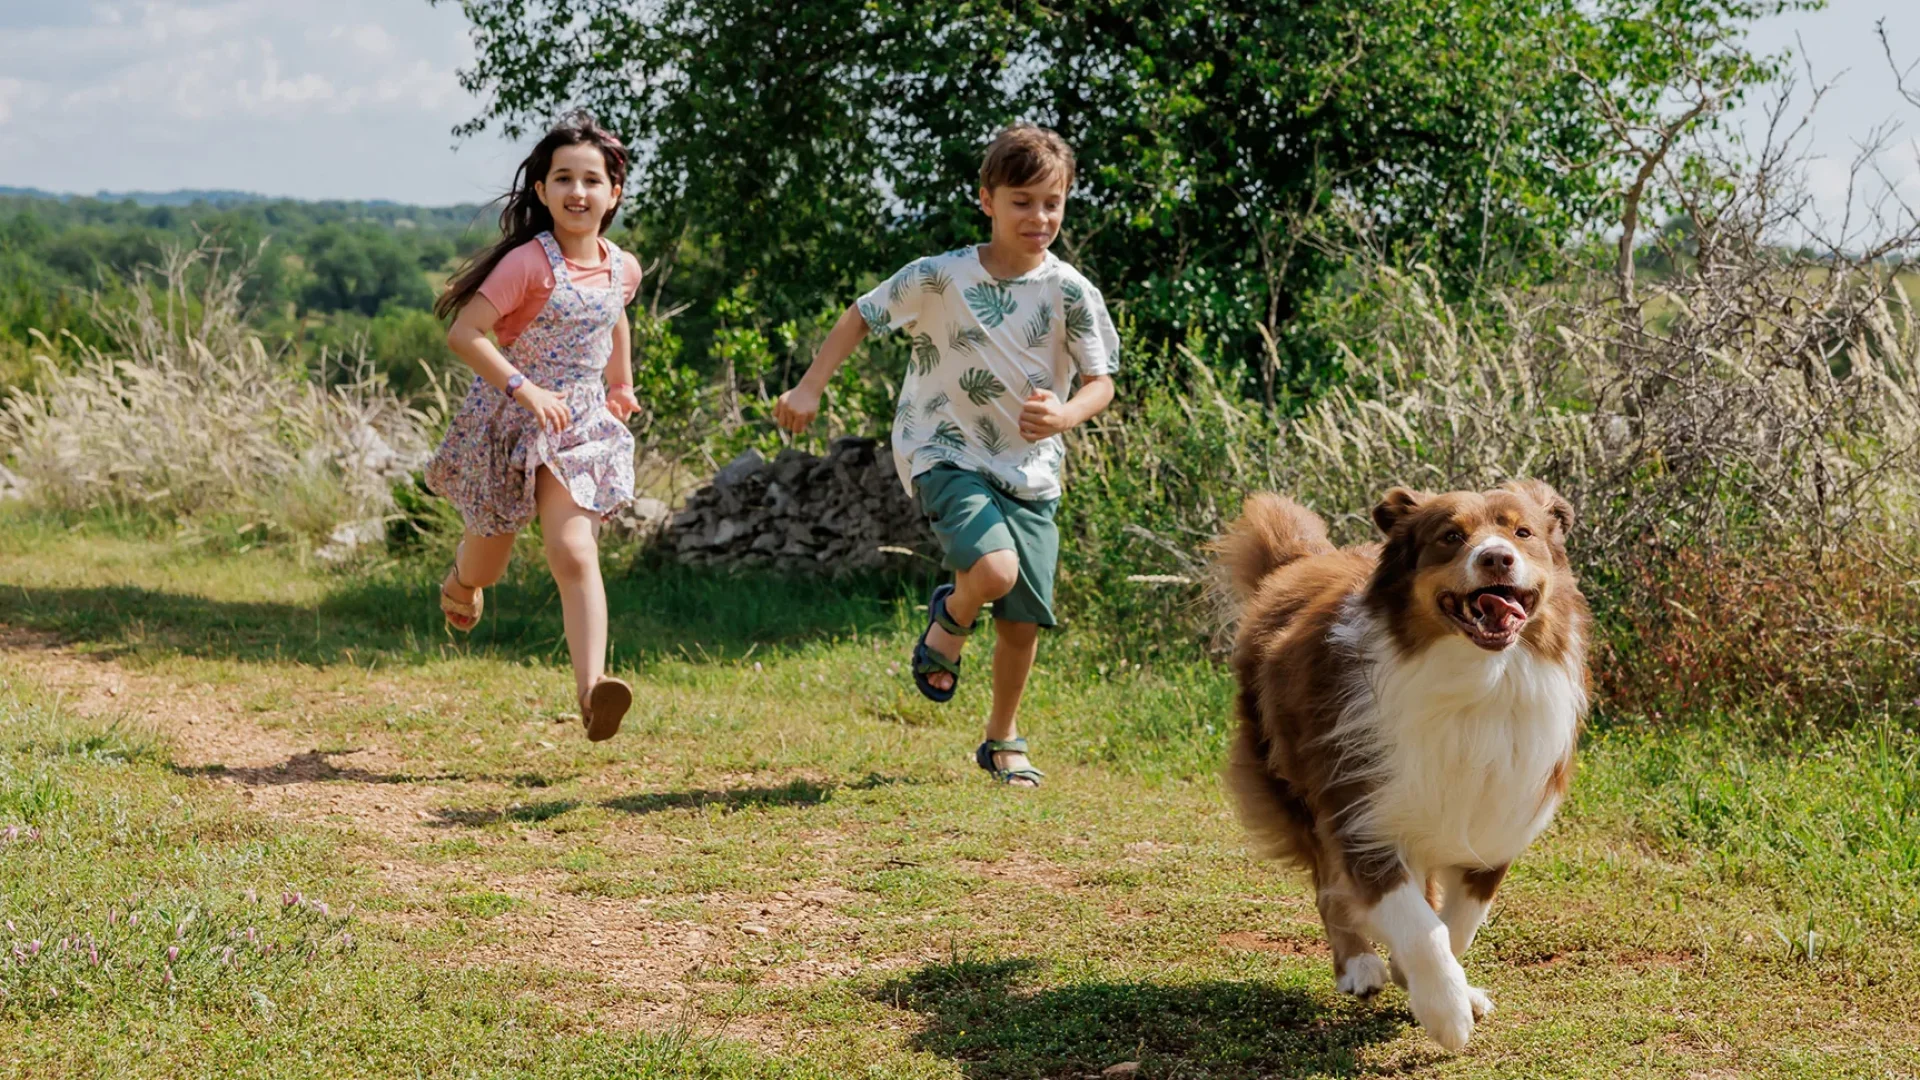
[(798, 512)]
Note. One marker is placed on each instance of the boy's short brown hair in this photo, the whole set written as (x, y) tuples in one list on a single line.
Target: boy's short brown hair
[(1025, 154)]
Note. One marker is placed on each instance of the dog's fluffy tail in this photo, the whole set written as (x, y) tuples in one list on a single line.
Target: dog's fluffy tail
[(1271, 532)]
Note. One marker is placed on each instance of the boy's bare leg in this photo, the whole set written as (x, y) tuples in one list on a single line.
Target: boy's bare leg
[(991, 577), (1015, 644)]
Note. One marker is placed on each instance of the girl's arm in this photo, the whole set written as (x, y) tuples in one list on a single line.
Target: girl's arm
[(620, 400), (798, 406), (467, 337)]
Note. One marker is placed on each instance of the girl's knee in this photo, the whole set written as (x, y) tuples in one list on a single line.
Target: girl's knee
[(572, 562)]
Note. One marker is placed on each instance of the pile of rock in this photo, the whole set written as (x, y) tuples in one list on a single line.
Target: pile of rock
[(798, 512)]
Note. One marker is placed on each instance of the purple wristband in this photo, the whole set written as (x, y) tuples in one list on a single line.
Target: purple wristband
[(514, 382)]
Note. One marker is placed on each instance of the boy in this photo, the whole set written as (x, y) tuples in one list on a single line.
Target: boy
[(999, 330)]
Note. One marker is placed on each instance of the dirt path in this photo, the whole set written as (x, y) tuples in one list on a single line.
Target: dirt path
[(631, 966)]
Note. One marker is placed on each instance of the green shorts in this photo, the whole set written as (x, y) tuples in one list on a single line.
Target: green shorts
[(971, 517)]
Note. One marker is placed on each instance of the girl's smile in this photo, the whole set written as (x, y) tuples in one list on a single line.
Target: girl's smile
[(576, 190)]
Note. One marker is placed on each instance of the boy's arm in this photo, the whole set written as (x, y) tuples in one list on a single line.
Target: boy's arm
[(798, 406), (1044, 416)]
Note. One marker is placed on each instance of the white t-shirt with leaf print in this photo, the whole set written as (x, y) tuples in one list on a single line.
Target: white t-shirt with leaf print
[(981, 346)]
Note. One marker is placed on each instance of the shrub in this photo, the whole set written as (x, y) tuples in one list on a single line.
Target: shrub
[(187, 415)]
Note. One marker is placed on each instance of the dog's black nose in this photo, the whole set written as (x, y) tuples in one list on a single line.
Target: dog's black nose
[(1497, 561)]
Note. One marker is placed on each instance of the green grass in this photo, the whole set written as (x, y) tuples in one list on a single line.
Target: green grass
[(786, 865)]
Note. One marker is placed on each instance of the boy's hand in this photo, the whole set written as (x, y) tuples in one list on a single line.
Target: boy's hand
[(796, 409), (621, 403), (1042, 416)]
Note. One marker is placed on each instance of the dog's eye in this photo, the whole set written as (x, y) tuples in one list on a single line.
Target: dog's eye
[(1456, 537), (1523, 532)]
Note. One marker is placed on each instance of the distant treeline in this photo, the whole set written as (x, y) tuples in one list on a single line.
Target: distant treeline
[(327, 275)]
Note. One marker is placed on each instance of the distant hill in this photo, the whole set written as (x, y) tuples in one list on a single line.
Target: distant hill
[(184, 197), (147, 198)]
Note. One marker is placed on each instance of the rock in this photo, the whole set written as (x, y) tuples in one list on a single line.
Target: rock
[(798, 513), (640, 518), (347, 538), (748, 464), (1124, 1069)]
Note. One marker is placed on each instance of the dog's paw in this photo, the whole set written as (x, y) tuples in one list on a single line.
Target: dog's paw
[(1364, 975), (1445, 1008), (1482, 1004)]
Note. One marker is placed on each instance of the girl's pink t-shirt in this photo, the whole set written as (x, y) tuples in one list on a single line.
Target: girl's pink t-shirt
[(519, 285)]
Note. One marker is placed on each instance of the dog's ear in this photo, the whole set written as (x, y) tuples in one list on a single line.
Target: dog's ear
[(1556, 506), (1394, 506)]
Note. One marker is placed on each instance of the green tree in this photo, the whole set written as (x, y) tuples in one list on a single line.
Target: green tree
[(361, 270), (815, 143)]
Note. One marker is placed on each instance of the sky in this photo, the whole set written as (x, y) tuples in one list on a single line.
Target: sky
[(356, 99)]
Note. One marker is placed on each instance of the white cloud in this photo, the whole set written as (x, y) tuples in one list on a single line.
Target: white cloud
[(263, 95), (19, 96)]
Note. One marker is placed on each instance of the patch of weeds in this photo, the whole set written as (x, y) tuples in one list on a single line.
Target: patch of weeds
[(482, 905)]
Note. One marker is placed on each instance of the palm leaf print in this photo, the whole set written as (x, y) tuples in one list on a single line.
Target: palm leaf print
[(981, 386), (991, 440), (940, 453), (876, 316), (903, 420), (948, 433), (926, 355), (897, 288), (1001, 484), (991, 302), (932, 278), (1040, 380), (1040, 325), (935, 404), (966, 339), (1079, 321), (1072, 292)]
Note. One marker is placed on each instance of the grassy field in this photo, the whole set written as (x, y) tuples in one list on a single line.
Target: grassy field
[(259, 819)]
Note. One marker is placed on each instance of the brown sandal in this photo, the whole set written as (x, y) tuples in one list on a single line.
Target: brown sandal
[(468, 610), (604, 707)]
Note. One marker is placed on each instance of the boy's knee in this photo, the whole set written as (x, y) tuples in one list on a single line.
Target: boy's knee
[(1017, 634), (994, 574)]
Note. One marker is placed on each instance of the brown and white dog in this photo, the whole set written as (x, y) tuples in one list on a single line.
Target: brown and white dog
[(1408, 714)]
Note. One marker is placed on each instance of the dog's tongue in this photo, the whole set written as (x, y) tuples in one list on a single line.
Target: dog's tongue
[(1499, 613)]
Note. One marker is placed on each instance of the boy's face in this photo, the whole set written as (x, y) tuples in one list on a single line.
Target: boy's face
[(1026, 218)]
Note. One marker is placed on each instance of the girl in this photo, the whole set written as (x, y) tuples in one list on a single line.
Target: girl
[(542, 430)]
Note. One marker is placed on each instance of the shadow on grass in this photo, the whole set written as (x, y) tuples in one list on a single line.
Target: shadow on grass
[(658, 612), (311, 766), (799, 793), (978, 1014)]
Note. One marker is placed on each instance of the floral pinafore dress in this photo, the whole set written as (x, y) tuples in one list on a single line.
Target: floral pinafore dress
[(494, 447)]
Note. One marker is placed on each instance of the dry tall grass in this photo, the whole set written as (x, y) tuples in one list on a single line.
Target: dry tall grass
[(1743, 451), (189, 416)]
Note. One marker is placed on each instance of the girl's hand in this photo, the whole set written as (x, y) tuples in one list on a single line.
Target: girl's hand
[(546, 407), (621, 403), (796, 409), (1042, 416)]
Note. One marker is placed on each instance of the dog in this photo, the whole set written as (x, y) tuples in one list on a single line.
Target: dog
[(1408, 711)]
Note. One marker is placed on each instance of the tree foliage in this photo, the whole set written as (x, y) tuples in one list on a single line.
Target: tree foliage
[(1230, 149)]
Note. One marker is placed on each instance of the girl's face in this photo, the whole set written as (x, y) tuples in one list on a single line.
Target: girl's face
[(1026, 218), (577, 191)]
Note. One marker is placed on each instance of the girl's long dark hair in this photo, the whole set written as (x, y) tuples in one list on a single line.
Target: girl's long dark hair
[(524, 216)]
